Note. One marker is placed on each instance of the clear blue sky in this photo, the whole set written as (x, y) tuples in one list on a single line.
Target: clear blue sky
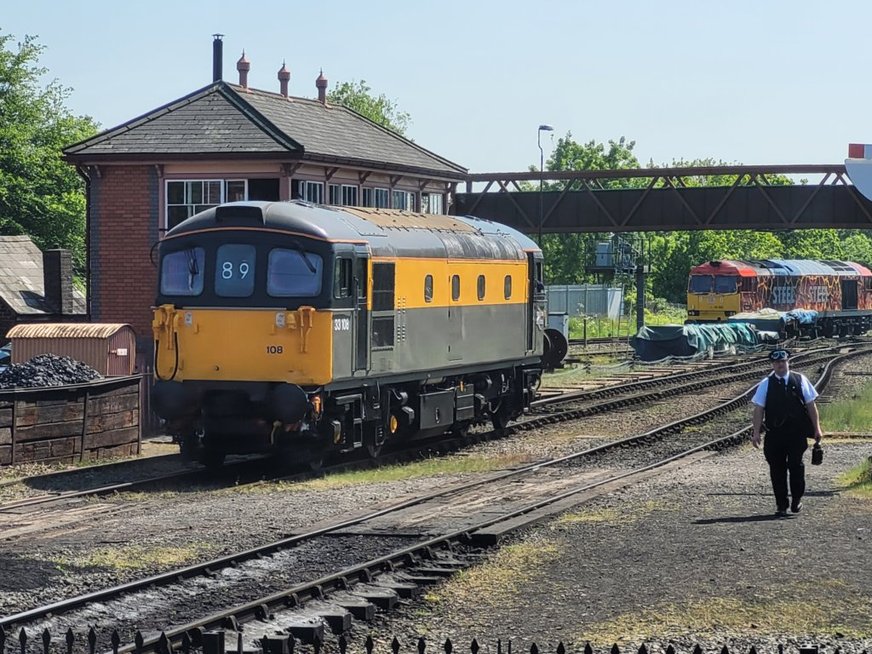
[(753, 82)]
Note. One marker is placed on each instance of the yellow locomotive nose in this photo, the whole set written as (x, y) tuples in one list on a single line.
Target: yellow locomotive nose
[(244, 345)]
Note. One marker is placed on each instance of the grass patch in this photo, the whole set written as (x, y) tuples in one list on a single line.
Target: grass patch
[(135, 557), (854, 415), (609, 515), (716, 616), (434, 467), (496, 582), (857, 481)]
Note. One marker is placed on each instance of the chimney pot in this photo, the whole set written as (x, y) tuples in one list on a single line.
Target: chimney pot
[(243, 66), (284, 78), (57, 269), (321, 85), (217, 57)]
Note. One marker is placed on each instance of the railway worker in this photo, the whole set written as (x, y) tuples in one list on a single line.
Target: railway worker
[(786, 401)]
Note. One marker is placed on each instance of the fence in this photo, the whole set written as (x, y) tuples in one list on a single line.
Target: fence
[(216, 642), (78, 422), (586, 300)]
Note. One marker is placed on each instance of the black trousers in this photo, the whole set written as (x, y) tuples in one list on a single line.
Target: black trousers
[(783, 452)]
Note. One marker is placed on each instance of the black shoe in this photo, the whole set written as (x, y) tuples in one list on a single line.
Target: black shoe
[(781, 513), (796, 507)]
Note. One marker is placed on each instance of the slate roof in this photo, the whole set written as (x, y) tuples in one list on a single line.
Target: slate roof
[(21, 278), (223, 119)]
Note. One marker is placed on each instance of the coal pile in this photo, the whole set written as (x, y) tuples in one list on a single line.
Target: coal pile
[(47, 370)]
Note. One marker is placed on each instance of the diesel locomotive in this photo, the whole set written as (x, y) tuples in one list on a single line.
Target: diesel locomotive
[(307, 330), (838, 292)]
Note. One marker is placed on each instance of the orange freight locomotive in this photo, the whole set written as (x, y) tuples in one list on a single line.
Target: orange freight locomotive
[(839, 293)]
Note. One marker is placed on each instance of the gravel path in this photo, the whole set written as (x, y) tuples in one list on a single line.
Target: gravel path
[(694, 555)]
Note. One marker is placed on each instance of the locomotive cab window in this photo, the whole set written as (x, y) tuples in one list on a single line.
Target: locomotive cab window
[(234, 270), (293, 273), (481, 287), (867, 283), (725, 284), (455, 287), (507, 287), (700, 284), (428, 288), (342, 279), (181, 273)]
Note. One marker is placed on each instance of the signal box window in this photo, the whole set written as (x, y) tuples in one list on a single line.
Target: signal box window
[(181, 273), (428, 288), (293, 273), (507, 287), (342, 278), (382, 286), (481, 287), (455, 287), (185, 198), (234, 270)]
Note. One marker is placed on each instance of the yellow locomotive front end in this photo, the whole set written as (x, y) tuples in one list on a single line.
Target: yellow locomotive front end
[(243, 334), (243, 345)]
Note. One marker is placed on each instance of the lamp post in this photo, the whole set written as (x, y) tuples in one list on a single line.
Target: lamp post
[(542, 128)]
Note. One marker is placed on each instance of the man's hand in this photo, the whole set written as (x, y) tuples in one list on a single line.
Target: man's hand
[(755, 439), (818, 435)]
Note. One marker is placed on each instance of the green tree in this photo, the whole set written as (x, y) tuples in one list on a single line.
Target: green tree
[(567, 255), (359, 97), (40, 194)]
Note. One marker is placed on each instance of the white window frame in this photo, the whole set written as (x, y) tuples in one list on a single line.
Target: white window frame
[(310, 191), (235, 181), (437, 199), (350, 195), (406, 200), (191, 205)]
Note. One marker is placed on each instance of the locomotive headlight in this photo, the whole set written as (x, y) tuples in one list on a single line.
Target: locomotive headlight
[(316, 405), (540, 318)]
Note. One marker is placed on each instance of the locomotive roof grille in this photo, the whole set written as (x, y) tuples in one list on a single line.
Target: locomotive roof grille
[(243, 214)]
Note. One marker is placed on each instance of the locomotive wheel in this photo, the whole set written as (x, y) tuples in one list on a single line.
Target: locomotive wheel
[(373, 450), (500, 417)]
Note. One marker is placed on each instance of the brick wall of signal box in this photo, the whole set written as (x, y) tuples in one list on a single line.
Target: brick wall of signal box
[(123, 228)]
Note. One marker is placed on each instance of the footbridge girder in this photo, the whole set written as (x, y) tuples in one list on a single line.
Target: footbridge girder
[(665, 199)]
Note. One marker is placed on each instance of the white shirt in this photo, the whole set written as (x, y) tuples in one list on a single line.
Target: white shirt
[(809, 394)]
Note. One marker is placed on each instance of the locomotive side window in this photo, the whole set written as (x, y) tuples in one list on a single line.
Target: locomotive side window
[(181, 272), (867, 283), (746, 285), (428, 288), (507, 287), (234, 270), (725, 284), (455, 287), (701, 284), (342, 281), (481, 287), (382, 287), (383, 332), (293, 273)]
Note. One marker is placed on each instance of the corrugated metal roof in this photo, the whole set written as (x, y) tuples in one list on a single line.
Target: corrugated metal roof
[(21, 278), (66, 330)]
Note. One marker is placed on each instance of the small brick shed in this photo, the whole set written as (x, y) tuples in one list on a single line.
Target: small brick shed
[(109, 348)]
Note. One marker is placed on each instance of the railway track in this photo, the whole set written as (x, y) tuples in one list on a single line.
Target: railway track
[(583, 403), (463, 516)]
